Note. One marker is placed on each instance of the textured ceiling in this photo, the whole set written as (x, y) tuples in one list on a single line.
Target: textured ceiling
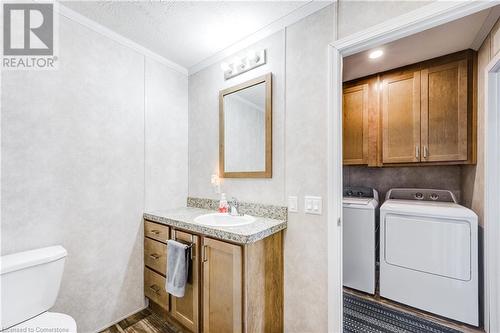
[(185, 32)]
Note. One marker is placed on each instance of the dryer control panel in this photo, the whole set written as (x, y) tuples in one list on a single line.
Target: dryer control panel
[(421, 194)]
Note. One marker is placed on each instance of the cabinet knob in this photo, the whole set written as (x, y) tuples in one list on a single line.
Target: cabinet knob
[(155, 288), (156, 232), (426, 151), (154, 256), (417, 152)]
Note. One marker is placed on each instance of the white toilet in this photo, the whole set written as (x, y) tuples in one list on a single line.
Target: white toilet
[(29, 284)]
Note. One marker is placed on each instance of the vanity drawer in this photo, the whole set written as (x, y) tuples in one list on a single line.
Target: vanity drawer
[(154, 288), (156, 231), (155, 255)]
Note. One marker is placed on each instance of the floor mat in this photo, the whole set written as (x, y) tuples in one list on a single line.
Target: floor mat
[(363, 316)]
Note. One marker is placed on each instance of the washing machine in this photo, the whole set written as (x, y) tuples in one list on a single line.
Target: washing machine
[(429, 253), (359, 238)]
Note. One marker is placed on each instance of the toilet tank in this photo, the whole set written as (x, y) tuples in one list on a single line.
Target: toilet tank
[(29, 283)]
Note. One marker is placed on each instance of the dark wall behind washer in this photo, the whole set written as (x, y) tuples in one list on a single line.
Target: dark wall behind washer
[(383, 179)]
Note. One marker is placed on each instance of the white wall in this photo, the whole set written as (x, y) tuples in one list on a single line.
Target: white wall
[(355, 16), (306, 171), (166, 143), (299, 154), (85, 149), (204, 87)]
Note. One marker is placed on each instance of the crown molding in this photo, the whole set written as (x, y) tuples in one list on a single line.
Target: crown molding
[(423, 18), (96, 27), (488, 24), (287, 20)]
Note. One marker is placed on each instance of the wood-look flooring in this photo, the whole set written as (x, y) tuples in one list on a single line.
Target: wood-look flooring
[(404, 308), (145, 321)]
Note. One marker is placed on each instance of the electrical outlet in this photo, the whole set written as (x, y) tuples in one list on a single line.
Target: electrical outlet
[(313, 205)]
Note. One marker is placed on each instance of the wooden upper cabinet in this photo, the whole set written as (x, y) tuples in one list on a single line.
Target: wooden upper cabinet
[(355, 124), (444, 112), (424, 113), (222, 287), (401, 117)]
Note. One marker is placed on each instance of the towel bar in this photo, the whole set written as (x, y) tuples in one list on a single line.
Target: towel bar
[(189, 247)]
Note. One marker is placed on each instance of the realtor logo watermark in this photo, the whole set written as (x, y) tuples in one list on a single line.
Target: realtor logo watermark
[(29, 32)]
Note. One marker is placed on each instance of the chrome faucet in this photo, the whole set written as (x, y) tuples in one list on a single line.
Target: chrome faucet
[(234, 207)]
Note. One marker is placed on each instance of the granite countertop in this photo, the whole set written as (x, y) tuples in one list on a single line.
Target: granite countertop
[(183, 218)]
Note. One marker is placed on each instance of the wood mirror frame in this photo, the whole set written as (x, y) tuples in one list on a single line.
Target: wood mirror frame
[(267, 172)]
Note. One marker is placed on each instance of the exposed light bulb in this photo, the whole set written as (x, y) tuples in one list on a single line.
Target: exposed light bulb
[(252, 56), (376, 54), (239, 63), (225, 66)]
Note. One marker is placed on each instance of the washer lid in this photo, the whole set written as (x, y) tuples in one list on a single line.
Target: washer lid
[(428, 208), (360, 203)]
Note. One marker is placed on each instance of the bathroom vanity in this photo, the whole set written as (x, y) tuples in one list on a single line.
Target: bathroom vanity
[(235, 282)]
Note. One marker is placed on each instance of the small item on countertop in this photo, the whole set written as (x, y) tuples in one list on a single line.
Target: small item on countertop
[(177, 267), (223, 205)]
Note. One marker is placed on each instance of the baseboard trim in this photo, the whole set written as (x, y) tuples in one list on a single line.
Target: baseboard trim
[(121, 318)]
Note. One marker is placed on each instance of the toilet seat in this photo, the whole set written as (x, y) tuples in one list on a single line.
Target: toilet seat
[(47, 322)]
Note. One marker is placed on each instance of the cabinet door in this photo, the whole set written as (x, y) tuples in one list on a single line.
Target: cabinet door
[(444, 112), (185, 309), (355, 124), (222, 287), (401, 118)]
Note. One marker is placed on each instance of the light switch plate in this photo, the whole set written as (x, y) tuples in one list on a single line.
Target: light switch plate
[(293, 204), (313, 205)]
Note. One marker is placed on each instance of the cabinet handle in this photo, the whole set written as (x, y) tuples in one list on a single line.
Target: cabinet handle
[(417, 151), (156, 232), (426, 152), (154, 256), (204, 254), (155, 288)]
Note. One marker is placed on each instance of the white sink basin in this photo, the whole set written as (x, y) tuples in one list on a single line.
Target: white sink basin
[(224, 220)]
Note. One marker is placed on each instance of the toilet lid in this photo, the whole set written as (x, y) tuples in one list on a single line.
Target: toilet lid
[(48, 322)]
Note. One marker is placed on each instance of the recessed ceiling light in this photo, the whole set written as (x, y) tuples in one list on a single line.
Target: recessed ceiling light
[(376, 54)]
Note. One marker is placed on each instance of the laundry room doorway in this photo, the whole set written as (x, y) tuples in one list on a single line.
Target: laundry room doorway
[(492, 194), (385, 166)]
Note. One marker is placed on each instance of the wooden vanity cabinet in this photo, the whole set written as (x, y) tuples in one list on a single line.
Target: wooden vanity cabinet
[(426, 114), (231, 287)]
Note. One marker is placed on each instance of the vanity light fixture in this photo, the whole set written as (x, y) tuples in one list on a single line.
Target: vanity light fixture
[(375, 54), (251, 60)]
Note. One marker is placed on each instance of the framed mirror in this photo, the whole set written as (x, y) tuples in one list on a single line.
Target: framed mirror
[(245, 129)]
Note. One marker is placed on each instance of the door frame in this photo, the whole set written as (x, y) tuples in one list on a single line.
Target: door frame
[(492, 195), (421, 19)]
